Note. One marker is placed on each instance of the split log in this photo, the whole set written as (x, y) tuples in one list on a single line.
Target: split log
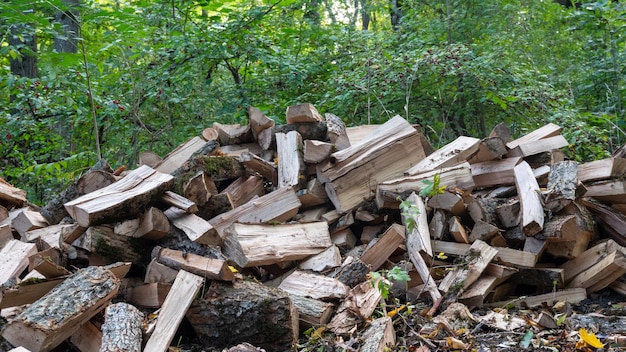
[(495, 173), (88, 338), (149, 158), (312, 312), (501, 131), (376, 254), (196, 228), (308, 130), (27, 220), (27, 292), (492, 276), (266, 138), (280, 205), (122, 328), (531, 205), (337, 132), (327, 259), (564, 236), (151, 295), (573, 296), (14, 259), (611, 220), (290, 163), (177, 157), (12, 196), (233, 133), (539, 146), (311, 215), (258, 121), (483, 231), (159, 273), (47, 322), (448, 201), (438, 225), (258, 244), (314, 194), (563, 185), (378, 336), (124, 198), (588, 258), (48, 263), (264, 168), (352, 173), (602, 273), (351, 272), (178, 201), (209, 268), (490, 148), (475, 261), (458, 231), (228, 314), (417, 235), (545, 131), (316, 151), (506, 256), (609, 191), (315, 286), (303, 113), (244, 189), (6, 235), (359, 305), (509, 213), (107, 247), (152, 225), (199, 188), (387, 192), (602, 169), (455, 152), (178, 300)]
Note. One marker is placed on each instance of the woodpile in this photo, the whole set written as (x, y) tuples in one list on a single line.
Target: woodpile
[(251, 234)]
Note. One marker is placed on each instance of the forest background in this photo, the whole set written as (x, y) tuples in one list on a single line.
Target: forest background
[(84, 79)]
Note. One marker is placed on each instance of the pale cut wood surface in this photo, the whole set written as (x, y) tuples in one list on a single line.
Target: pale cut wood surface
[(312, 312), (183, 292), (315, 286), (12, 195), (180, 155), (601, 169), (361, 302), (548, 130), (195, 227), (496, 172), (418, 236), (259, 244), (387, 243), (337, 131), (88, 338), (258, 121), (539, 146), (530, 199), (574, 296), (290, 163), (453, 153), (178, 201), (609, 191), (124, 198), (14, 259), (588, 258), (476, 260), (209, 268), (303, 113), (379, 336)]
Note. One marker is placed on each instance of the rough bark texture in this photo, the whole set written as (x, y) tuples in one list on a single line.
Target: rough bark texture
[(244, 312), (122, 329)]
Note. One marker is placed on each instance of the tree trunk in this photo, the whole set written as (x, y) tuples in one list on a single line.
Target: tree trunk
[(67, 40), (396, 13), (365, 16), (26, 65)]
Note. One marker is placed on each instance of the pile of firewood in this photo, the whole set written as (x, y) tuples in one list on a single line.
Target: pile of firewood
[(253, 233)]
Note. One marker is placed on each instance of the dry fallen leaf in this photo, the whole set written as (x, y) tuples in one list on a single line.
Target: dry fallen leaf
[(590, 338)]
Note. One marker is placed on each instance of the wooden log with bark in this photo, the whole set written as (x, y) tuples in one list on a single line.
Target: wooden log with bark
[(122, 328), (196, 228), (258, 121), (209, 268), (315, 286), (152, 225), (359, 305), (303, 113), (50, 320), (12, 196), (177, 157), (337, 131)]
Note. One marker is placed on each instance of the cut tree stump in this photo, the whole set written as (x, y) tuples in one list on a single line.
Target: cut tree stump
[(181, 295), (127, 197), (229, 314), (215, 269), (122, 328), (57, 315), (259, 244)]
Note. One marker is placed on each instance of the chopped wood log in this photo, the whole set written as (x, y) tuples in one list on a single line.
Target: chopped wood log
[(490, 148), (124, 198), (327, 259), (122, 328), (14, 259), (502, 131), (546, 131), (264, 168), (311, 215), (565, 238), (28, 291), (178, 300), (541, 279), (369, 233), (258, 121), (376, 255), (46, 237), (12, 196), (177, 157), (303, 113), (258, 244), (562, 185), (458, 231), (316, 151), (244, 189), (315, 286), (609, 191), (483, 231), (196, 228), (88, 338), (474, 295), (588, 258), (308, 130), (612, 221), (266, 138), (312, 312), (149, 158), (352, 271), (573, 296), (48, 263), (313, 195), (448, 201), (199, 188), (359, 305), (236, 150), (602, 169), (151, 295), (209, 134), (178, 201), (456, 152), (378, 336), (290, 163), (27, 220), (476, 260), (438, 225), (108, 247), (159, 273), (496, 172), (4, 214), (47, 322), (229, 314), (215, 269), (6, 235), (152, 225), (602, 272), (344, 239), (509, 213), (457, 176), (233, 134), (531, 206), (354, 172), (538, 146), (506, 256), (337, 131), (417, 235), (280, 205), (217, 204)]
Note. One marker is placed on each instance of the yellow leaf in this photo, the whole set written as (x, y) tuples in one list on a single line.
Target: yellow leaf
[(442, 256), (590, 338), (317, 333), (396, 311)]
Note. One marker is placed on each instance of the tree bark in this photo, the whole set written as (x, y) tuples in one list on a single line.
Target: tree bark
[(122, 328), (26, 65), (67, 40)]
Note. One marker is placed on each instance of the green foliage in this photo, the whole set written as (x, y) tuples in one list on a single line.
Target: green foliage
[(382, 279), (432, 188)]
